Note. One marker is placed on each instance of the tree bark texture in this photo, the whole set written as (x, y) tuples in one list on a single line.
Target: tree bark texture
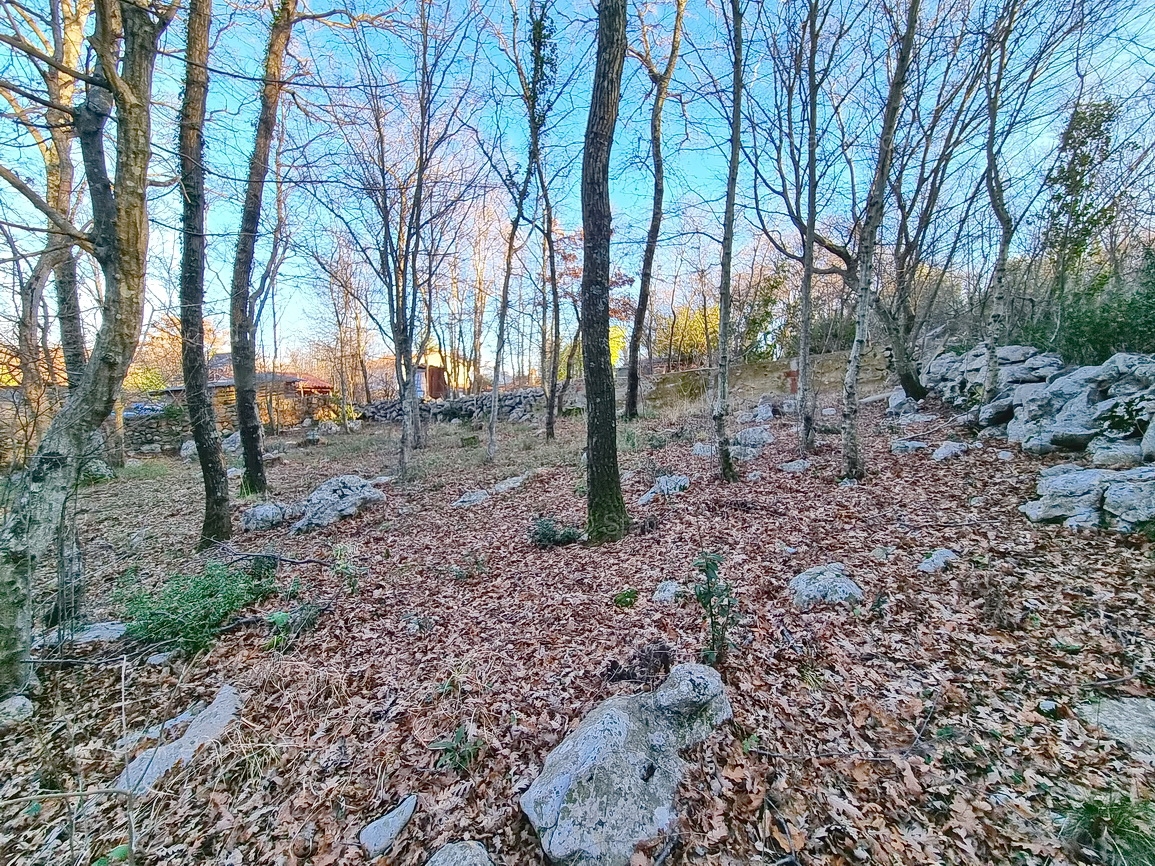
[(242, 313), (119, 236), (853, 464), (606, 518), (217, 525), (726, 469)]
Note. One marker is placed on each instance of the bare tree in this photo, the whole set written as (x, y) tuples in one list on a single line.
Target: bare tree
[(217, 525), (722, 390), (660, 78), (606, 518), (853, 465), (124, 42)]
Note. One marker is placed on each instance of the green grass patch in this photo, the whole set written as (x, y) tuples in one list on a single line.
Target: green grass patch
[(1118, 831), (145, 470), (188, 610)]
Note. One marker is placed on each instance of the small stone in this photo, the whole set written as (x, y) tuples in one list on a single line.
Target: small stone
[(665, 485), (328, 428), (754, 437), (907, 446), (937, 560), (188, 450), (159, 659), (1006, 455), (795, 466), (470, 499), (829, 412), (882, 554), (704, 449), (824, 584), (667, 592), (262, 517), (509, 484), (15, 711), (947, 450), (1048, 708), (232, 444), (754, 476), (235, 472), (378, 837), (461, 854)]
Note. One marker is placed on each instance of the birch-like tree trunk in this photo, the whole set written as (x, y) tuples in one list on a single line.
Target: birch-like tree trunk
[(606, 517), (853, 464), (722, 390)]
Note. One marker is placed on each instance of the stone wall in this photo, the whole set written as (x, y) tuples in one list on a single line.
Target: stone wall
[(164, 431), (514, 406)]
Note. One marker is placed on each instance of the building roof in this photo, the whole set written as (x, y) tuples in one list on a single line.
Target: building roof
[(303, 381)]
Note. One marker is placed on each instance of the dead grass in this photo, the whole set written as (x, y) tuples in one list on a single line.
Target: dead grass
[(902, 732)]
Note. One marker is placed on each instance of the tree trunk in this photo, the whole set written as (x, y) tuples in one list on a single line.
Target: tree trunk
[(661, 83), (806, 396), (606, 509), (722, 392), (217, 525), (120, 238), (853, 464), (243, 330)]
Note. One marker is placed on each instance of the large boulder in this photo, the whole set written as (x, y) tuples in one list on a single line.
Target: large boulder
[(610, 785), (339, 497), (262, 517), (754, 437)]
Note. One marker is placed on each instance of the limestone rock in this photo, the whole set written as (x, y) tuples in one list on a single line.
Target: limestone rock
[(471, 498), (754, 437), (95, 472), (667, 592), (232, 444), (795, 466), (937, 560), (1006, 455), (743, 453), (188, 450), (665, 485), (461, 854), (262, 517), (339, 497), (508, 484), (916, 418), (149, 766), (704, 449), (907, 446), (1131, 721), (947, 450), (378, 837), (1147, 446), (15, 711), (328, 428), (824, 584), (610, 785), (899, 404), (1109, 453)]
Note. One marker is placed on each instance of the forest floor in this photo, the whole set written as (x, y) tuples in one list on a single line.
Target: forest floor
[(906, 730)]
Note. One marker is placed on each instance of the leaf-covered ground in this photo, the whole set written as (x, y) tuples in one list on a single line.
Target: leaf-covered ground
[(905, 731)]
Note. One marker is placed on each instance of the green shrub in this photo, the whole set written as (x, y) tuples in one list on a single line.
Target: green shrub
[(458, 750), (189, 609), (628, 597), (547, 532), (1117, 831), (719, 608)]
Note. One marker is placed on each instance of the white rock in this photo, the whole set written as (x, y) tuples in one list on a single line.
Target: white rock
[(937, 560), (824, 584), (754, 437), (15, 711), (665, 485), (339, 497), (188, 450), (611, 784), (378, 837), (1006, 455), (232, 444), (262, 517), (795, 466), (907, 446), (947, 450), (471, 498), (461, 854), (667, 592)]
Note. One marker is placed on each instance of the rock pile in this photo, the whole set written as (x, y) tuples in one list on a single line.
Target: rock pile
[(513, 406), (339, 497), (610, 785), (959, 379)]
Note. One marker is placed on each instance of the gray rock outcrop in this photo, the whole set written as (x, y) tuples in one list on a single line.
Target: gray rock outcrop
[(339, 497), (947, 450), (937, 560), (824, 584), (14, 711), (262, 517), (1131, 721), (610, 785)]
